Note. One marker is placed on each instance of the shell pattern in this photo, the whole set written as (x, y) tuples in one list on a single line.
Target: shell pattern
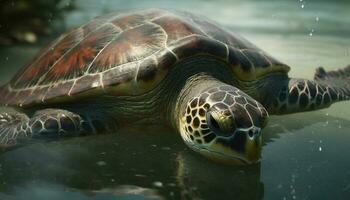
[(129, 54)]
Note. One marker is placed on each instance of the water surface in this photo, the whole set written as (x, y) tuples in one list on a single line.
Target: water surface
[(305, 156)]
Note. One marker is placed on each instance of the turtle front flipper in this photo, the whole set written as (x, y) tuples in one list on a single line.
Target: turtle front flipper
[(298, 95), (48, 124), (55, 123), (13, 126)]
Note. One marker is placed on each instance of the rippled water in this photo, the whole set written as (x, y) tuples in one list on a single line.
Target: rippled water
[(305, 156)]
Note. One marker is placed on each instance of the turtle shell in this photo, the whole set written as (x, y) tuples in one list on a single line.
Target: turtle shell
[(129, 54)]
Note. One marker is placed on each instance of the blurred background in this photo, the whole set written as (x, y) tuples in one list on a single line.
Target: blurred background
[(23, 21), (288, 29), (306, 155), (26, 21)]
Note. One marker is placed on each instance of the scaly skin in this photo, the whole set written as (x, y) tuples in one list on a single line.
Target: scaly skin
[(44, 124), (299, 95), (220, 121)]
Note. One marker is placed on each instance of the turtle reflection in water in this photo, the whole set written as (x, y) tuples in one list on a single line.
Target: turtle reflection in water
[(214, 87)]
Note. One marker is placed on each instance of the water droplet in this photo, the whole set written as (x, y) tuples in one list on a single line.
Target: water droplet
[(101, 163), (292, 191), (319, 148), (317, 19), (158, 184), (140, 175), (311, 32), (302, 5), (171, 184), (95, 84), (7, 58)]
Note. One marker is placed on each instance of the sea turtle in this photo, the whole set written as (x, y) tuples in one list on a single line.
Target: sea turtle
[(157, 66)]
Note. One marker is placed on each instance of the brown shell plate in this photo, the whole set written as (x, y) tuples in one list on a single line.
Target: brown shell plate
[(129, 54)]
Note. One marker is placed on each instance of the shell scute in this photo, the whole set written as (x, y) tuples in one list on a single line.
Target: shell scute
[(166, 59), (222, 35), (147, 70), (37, 95), (119, 75), (236, 57), (84, 83), (78, 59), (56, 89), (97, 23), (195, 45), (129, 21), (129, 46), (31, 73), (257, 58), (22, 95), (176, 28)]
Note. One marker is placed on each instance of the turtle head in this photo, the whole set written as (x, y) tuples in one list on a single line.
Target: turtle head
[(224, 124)]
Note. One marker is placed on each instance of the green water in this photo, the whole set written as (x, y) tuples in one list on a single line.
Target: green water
[(305, 156)]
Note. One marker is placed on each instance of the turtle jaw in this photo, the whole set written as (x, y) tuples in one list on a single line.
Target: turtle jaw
[(229, 159), (226, 151), (241, 148)]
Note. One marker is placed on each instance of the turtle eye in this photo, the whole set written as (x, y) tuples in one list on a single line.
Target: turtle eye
[(213, 123), (220, 123)]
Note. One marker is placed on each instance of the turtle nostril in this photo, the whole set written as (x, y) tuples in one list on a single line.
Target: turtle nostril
[(251, 133)]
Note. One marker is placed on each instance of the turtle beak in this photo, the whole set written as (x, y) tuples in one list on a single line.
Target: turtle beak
[(243, 148), (253, 144)]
